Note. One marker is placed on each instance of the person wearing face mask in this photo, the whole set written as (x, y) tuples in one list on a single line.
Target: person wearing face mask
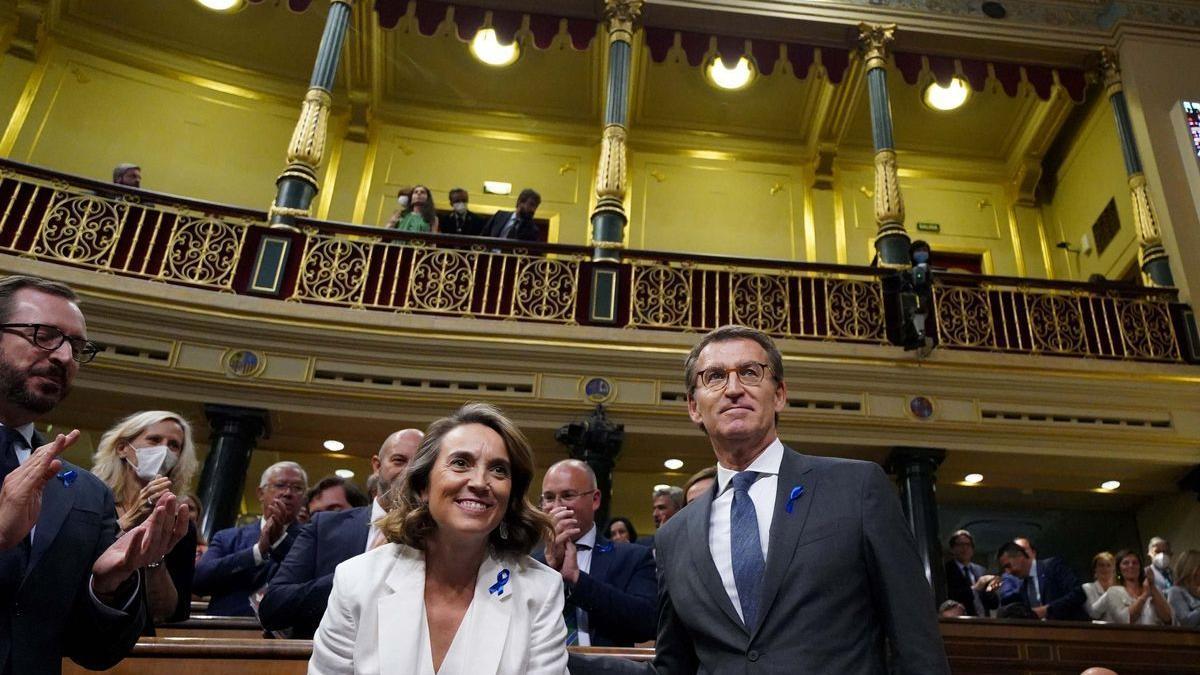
[(403, 197), (420, 215), (1158, 551), (460, 220), (141, 458)]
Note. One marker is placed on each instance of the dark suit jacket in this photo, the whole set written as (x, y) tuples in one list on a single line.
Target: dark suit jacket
[(299, 590), (958, 587), (227, 571), (466, 224), (842, 580), (52, 613), (618, 594), (1061, 591), (526, 230)]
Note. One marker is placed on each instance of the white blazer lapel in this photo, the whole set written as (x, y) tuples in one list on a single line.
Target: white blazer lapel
[(401, 611), (494, 590)]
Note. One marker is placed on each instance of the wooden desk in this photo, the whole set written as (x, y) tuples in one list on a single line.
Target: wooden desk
[(201, 626)]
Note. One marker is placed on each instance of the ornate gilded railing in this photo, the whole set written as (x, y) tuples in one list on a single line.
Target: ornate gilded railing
[(72, 221)]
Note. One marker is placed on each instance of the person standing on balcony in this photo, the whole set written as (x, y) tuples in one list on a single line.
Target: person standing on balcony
[(129, 175), (967, 581), (420, 214), (517, 224), (69, 585), (460, 220)]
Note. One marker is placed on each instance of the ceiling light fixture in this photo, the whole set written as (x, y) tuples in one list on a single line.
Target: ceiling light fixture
[(1110, 485), (344, 473), (673, 464), (487, 48), (973, 478), (334, 446), (661, 486), (730, 79), (950, 97), (222, 5), (497, 187)]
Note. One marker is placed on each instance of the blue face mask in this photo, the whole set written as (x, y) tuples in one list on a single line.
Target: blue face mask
[(921, 257)]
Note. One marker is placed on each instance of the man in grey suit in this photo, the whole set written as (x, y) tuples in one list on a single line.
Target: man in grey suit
[(791, 563)]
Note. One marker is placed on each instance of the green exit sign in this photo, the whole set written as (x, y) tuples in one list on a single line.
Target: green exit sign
[(929, 227)]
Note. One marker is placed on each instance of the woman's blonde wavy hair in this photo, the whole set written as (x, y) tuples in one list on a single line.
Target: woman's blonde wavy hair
[(410, 522), (109, 467)]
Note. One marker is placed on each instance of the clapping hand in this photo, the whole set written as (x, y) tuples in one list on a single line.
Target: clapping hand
[(279, 513), (560, 552), (147, 543), (21, 495), (146, 500)]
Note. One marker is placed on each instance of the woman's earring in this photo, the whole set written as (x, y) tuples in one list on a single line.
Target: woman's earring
[(503, 530)]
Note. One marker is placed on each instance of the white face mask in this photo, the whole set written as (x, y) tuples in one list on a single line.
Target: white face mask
[(403, 201), (1162, 560), (459, 207), (153, 462)]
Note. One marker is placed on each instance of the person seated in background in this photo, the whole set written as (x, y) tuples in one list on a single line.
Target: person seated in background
[(1184, 596), (142, 457), (952, 609), (1136, 599), (621, 530), (700, 482), (419, 216), (454, 590), (129, 175), (333, 493), (460, 220), (1104, 575), (299, 590), (196, 514), (967, 581), (1158, 556), (240, 560), (517, 224), (1048, 587), (610, 588)]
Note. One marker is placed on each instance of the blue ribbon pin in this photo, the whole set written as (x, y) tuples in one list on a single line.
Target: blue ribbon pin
[(501, 580), (795, 494), (605, 548), (68, 477)]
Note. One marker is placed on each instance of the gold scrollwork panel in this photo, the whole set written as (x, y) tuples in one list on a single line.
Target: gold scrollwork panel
[(964, 317), (760, 301), (1147, 330), (441, 280), (80, 229), (1056, 324), (661, 297), (203, 251), (854, 309), (334, 269), (547, 289)]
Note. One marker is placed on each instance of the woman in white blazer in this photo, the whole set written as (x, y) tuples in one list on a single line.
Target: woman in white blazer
[(454, 590)]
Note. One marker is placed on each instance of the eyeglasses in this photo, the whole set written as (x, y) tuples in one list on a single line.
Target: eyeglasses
[(749, 374), (291, 487), (564, 496), (51, 338)]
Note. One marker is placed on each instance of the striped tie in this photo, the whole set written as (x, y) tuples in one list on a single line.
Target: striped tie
[(748, 564)]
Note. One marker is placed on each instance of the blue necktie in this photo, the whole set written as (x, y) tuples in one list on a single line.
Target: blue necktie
[(748, 565)]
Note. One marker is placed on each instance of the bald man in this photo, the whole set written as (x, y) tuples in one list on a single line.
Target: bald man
[(297, 594), (610, 587)]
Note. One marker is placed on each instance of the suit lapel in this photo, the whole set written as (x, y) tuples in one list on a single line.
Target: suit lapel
[(57, 500), (706, 569), (489, 629), (401, 613), (601, 559), (794, 470)]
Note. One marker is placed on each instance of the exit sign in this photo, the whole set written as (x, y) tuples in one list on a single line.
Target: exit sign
[(929, 227)]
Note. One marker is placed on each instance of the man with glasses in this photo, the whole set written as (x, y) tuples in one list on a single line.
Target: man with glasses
[(68, 586), (609, 586), (240, 560)]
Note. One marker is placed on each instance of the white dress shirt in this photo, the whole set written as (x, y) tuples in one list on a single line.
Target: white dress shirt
[(762, 493), (584, 560)]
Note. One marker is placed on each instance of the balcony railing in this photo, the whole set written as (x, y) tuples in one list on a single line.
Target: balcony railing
[(82, 223)]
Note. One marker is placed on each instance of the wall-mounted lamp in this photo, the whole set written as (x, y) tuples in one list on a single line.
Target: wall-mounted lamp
[(1066, 246)]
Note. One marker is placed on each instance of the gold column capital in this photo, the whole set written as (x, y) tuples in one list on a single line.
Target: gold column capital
[(1110, 67), (621, 16), (874, 39)]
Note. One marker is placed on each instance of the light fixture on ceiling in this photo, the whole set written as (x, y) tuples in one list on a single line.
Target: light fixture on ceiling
[(487, 48), (222, 5), (949, 97), (334, 446), (661, 486), (973, 478), (344, 473), (673, 464), (738, 77), (1110, 485), (497, 187)]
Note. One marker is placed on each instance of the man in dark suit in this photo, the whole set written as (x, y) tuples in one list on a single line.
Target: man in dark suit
[(460, 220), (68, 585), (240, 560), (517, 224), (299, 590), (609, 586), (968, 582), (1047, 585), (791, 563)]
